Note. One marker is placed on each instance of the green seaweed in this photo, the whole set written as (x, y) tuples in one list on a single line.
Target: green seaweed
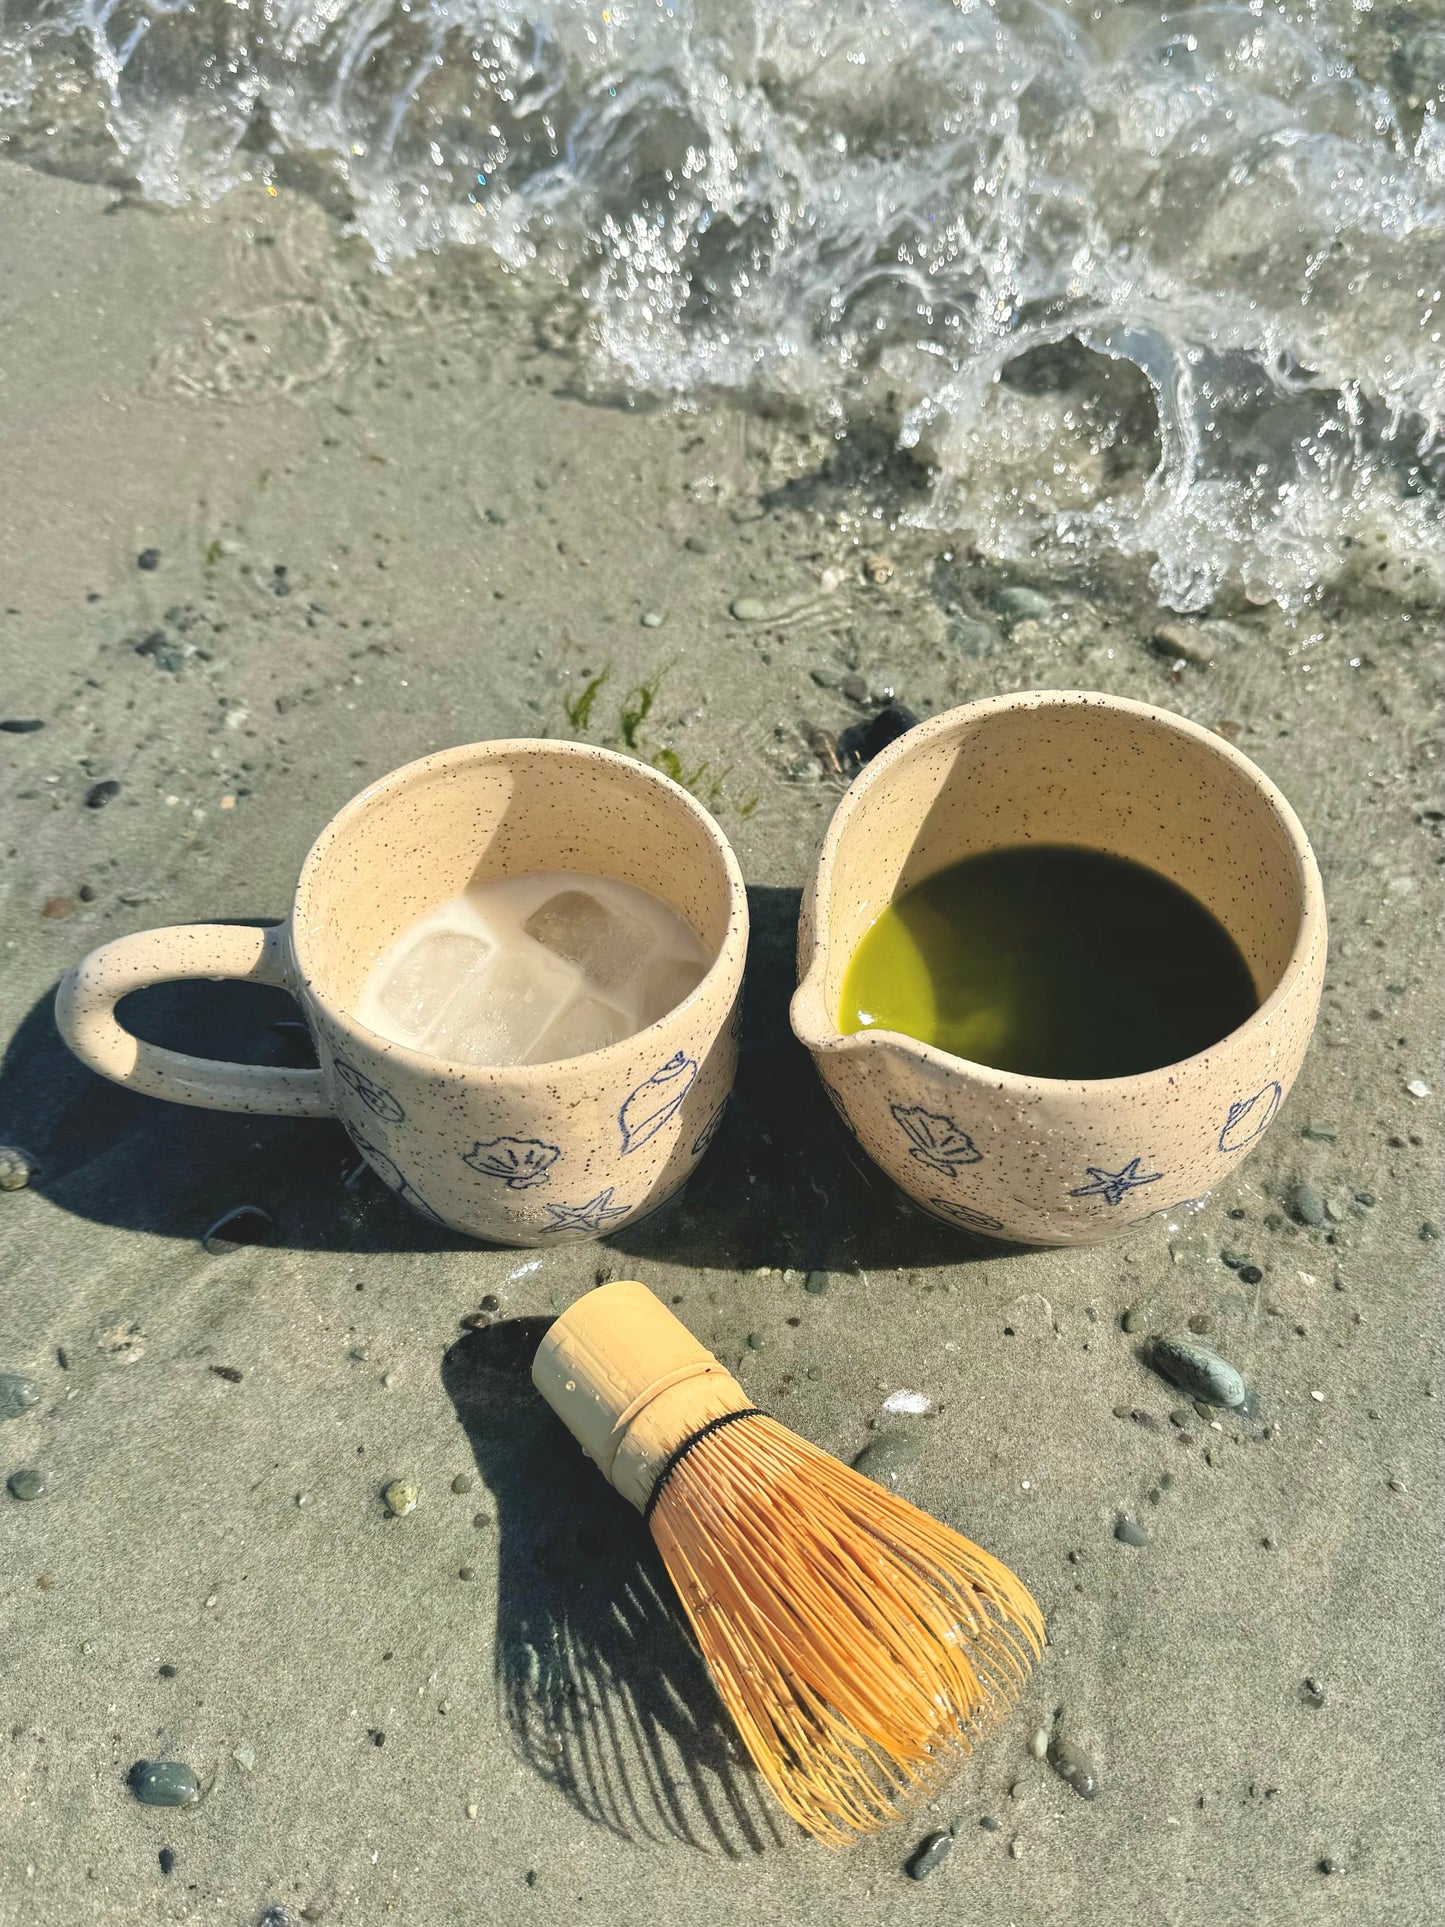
[(579, 710), (636, 708)]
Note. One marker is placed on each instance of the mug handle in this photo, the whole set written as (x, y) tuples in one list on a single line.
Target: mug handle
[(85, 1013)]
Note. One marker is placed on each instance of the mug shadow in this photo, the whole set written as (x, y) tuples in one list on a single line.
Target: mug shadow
[(783, 1183), (598, 1680)]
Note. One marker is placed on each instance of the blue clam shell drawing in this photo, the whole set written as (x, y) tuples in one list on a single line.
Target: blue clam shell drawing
[(709, 1130), (391, 1174), (655, 1102), (936, 1140), (520, 1162), (1249, 1117), (374, 1096), (965, 1214)]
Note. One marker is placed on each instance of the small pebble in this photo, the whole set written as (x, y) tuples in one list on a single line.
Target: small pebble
[(756, 1341), (1250, 1275), (1314, 1691), (816, 1283), (148, 559), (746, 608), (1128, 1533), (1039, 1743), (26, 1484), (466, 1572), (99, 794), (401, 1497), (231, 1373), (245, 1757), (1198, 1371), (167, 1858), (1020, 604), (877, 569), (17, 1394), (1395, 1485), (388, 1380), (472, 1809), (20, 725), (481, 1520), (164, 1783), (1318, 1133), (1184, 642), (891, 1458), (652, 620), (1134, 1319), (167, 1670), (245, 1224), (1305, 1205), (17, 1168), (1015, 1848), (1235, 1260), (988, 1823), (1073, 1765), (891, 722), (462, 1482), (1328, 1866), (928, 1854), (1417, 1087), (1429, 1231), (57, 909)]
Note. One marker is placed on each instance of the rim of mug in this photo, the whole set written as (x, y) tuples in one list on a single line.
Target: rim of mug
[(730, 955), (812, 1022)]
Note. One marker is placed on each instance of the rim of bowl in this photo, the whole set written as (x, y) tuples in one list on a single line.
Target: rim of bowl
[(731, 952), (812, 1023)]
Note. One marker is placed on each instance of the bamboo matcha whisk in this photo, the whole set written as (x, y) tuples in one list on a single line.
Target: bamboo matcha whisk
[(858, 1644)]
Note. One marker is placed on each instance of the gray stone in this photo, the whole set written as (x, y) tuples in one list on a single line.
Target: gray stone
[(1072, 1764), (164, 1783), (17, 1168), (1020, 604), (1305, 1204), (928, 1854), (1129, 1533), (1184, 642), (746, 608), (652, 620), (972, 637), (28, 1483), (1134, 1319), (17, 1394), (816, 1283), (891, 1458), (400, 1497), (462, 1482), (1195, 1369)]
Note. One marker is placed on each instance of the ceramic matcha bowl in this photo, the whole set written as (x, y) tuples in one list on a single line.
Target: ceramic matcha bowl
[(1046, 1160), (536, 1154)]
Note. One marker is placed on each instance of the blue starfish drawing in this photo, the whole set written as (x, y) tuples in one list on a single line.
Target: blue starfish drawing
[(1111, 1186), (591, 1216)]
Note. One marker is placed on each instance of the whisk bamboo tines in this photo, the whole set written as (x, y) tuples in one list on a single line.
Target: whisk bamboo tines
[(858, 1644)]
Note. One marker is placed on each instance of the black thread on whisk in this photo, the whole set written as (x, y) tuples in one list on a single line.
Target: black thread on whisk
[(679, 1453)]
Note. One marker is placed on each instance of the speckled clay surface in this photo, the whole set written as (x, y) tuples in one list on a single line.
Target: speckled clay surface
[(534, 1154), (1046, 1160)]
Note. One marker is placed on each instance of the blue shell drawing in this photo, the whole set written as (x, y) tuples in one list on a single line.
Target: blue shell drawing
[(735, 1022), (374, 1096), (937, 1141), (709, 1130), (594, 1215), (390, 1174), (520, 1162), (838, 1105), (1249, 1117), (965, 1214), (1114, 1186), (655, 1102)]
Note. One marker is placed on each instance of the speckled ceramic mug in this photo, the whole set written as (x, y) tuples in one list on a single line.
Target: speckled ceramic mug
[(1047, 1160), (533, 1154)]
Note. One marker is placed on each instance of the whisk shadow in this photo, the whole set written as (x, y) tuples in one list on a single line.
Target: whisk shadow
[(597, 1677)]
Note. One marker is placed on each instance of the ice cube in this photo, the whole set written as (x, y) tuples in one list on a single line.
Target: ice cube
[(586, 1024), (605, 942), (664, 985), (503, 1008), (418, 987)]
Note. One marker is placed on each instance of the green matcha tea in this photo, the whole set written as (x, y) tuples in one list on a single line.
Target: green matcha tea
[(1052, 962)]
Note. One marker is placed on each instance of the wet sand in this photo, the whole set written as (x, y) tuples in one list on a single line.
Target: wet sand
[(391, 516)]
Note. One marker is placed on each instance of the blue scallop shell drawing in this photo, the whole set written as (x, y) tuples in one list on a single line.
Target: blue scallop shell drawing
[(520, 1162), (595, 1215), (1249, 1117), (374, 1096), (709, 1130), (655, 1102), (937, 1141), (965, 1214), (390, 1173)]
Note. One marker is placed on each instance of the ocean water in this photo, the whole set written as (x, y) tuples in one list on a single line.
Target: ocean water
[(1164, 280)]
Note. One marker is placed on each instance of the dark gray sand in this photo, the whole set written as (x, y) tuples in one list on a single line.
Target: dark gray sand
[(272, 525)]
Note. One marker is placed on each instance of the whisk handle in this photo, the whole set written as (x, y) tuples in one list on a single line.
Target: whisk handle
[(631, 1383)]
